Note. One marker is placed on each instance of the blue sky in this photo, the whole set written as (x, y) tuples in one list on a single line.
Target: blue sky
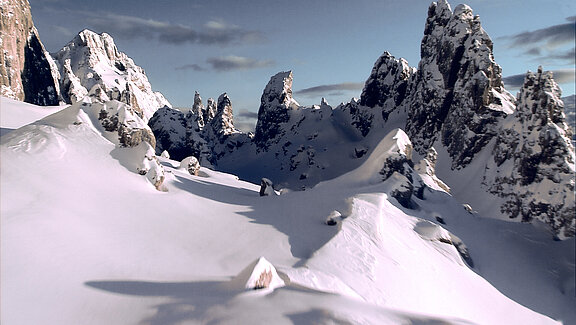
[(230, 46)]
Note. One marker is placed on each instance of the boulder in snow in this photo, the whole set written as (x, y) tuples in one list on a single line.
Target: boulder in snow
[(267, 187), (191, 164)]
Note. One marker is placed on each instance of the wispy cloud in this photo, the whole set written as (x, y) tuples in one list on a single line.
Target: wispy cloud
[(547, 45), (551, 36), (560, 76), (246, 120), (233, 62), (193, 66), (211, 33), (334, 89), (246, 114)]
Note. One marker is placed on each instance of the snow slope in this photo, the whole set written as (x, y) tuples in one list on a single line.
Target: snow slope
[(15, 114), (87, 240)]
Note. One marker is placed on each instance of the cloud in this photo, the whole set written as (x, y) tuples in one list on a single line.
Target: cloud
[(193, 66), (560, 76), (211, 33), (233, 62), (245, 120), (552, 36), (246, 114), (332, 89)]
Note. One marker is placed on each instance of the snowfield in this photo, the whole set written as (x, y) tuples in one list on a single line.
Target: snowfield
[(85, 239)]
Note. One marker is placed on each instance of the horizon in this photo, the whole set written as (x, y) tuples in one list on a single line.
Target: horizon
[(235, 48)]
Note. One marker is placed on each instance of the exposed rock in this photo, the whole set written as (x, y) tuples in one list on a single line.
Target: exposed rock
[(427, 170), (121, 119), (267, 187), (387, 85), (457, 95), (259, 274), (197, 112), (275, 104), (534, 157), (27, 71), (333, 218), (91, 63), (223, 121), (191, 164)]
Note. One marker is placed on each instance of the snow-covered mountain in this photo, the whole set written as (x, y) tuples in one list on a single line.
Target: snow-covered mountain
[(108, 218), (454, 104), (85, 239), (91, 65)]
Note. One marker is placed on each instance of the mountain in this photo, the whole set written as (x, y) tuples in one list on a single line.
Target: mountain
[(453, 106), (27, 71), (91, 65), (85, 239)]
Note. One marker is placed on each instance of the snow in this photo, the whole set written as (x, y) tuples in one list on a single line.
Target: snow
[(15, 114), (87, 240)]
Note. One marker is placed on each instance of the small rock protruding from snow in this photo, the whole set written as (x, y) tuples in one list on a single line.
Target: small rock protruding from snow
[(468, 208), (191, 164), (150, 165), (267, 187), (260, 274), (333, 218)]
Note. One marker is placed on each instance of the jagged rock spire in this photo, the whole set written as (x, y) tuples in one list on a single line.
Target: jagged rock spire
[(223, 122), (274, 108), (457, 95), (198, 110), (535, 158), (387, 85), (210, 111)]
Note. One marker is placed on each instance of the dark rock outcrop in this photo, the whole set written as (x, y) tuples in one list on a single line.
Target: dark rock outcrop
[(275, 104), (457, 95), (534, 157)]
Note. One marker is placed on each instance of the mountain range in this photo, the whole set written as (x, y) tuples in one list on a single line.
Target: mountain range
[(420, 175)]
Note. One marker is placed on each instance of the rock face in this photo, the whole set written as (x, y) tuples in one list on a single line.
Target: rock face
[(456, 114), (457, 95), (91, 64), (535, 158), (275, 105), (387, 85), (207, 133), (27, 71)]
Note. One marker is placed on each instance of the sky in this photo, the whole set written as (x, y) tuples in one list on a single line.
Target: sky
[(235, 46)]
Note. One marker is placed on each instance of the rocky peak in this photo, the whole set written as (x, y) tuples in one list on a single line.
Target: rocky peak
[(457, 95), (91, 64), (197, 111), (210, 111), (539, 101), (223, 122), (387, 85), (275, 104), (534, 157), (27, 71)]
